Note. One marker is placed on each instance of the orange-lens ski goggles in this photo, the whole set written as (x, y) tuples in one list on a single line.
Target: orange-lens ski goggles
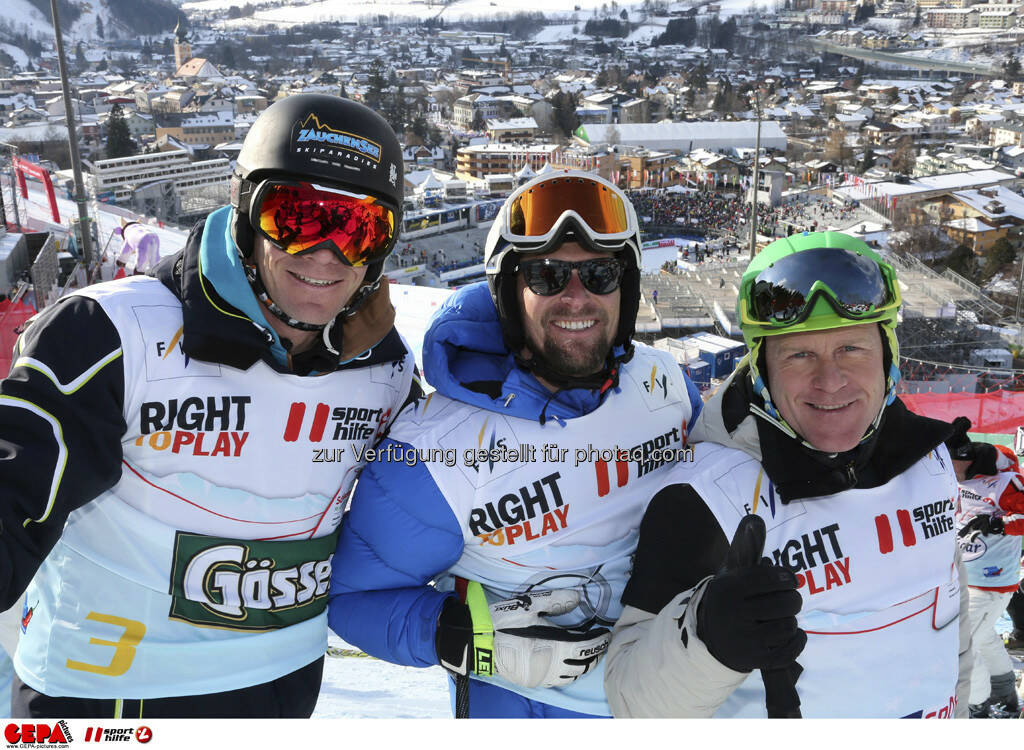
[(300, 217), (535, 213)]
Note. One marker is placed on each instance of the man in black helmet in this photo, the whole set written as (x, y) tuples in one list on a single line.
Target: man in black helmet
[(178, 448), (518, 485)]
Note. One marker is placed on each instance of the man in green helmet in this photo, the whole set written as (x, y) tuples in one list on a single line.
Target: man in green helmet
[(840, 584)]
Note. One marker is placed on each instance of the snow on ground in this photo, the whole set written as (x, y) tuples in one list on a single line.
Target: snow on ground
[(366, 688), (886, 25), (648, 31), (739, 7), (353, 10), (331, 10), (21, 16), (564, 32), (36, 206), (16, 53), (556, 33), (414, 306)]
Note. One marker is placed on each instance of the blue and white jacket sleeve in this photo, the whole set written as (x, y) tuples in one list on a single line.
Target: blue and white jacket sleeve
[(398, 535)]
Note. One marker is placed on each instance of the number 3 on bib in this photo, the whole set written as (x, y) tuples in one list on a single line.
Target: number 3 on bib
[(124, 647)]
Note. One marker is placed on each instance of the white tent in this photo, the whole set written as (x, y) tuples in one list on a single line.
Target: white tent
[(526, 173)]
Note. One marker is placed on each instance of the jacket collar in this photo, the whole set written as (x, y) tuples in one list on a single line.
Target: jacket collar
[(465, 358)]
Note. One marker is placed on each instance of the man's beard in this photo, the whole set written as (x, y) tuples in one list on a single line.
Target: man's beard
[(571, 361)]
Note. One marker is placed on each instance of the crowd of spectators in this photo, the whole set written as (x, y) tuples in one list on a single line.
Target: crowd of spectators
[(719, 214)]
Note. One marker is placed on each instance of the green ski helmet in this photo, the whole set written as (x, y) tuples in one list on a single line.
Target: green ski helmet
[(817, 281)]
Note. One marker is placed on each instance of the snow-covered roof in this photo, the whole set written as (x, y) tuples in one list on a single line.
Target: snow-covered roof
[(969, 225), (1012, 203), (684, 136)]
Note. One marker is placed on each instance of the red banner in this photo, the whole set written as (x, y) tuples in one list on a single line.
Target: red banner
[(996, 412), (12, 318), (22, 166)]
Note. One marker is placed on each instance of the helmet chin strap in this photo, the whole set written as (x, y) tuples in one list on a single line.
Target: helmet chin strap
[(253, 274), (605, 378)]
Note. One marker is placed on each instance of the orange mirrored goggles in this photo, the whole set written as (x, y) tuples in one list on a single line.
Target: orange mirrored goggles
[(538, 211), (301, 217)]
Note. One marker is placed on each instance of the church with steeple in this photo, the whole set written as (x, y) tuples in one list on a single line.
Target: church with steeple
[(182, 47), (186, 66)]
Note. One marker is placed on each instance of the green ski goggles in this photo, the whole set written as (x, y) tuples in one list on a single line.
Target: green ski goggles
[(783, 295)]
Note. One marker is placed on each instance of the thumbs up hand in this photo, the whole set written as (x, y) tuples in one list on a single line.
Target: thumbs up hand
[(747, 617)]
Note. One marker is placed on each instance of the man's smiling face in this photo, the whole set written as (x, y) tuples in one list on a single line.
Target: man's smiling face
[(574, 329), (828, 385), (312, 287)]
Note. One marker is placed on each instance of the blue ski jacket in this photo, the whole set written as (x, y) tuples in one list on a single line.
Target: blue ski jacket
[(401, 533)]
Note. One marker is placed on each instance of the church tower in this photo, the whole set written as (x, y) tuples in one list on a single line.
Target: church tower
[(182, 48)]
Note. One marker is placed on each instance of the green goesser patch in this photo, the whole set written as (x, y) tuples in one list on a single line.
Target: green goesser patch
[(243, 584)]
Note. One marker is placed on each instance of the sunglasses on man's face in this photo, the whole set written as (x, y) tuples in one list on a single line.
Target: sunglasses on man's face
[(548, 276)]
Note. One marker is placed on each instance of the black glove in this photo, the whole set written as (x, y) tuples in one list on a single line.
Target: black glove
[(981, 455), (978, 525), (747, 618), (958, 443)]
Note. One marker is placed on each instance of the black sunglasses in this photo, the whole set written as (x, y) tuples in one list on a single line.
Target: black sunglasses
[(548, 276)]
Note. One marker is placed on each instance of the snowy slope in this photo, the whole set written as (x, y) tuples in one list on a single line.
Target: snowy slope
[(350, 10), (16, 53), (22, 17)]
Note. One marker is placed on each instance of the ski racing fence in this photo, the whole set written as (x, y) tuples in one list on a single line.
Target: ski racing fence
[(993, 399)]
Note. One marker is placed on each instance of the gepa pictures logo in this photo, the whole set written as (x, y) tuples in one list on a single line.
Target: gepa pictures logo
[(38, 733)]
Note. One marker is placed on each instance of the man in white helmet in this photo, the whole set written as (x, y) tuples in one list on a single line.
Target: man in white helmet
[(517, 487)]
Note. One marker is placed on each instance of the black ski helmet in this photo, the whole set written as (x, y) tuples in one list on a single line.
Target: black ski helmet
[(319, 137), (501, 258)]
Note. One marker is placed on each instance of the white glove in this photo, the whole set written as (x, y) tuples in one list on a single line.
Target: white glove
[(532, 652)]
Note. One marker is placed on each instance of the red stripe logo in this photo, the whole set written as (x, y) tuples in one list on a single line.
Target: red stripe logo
[(884, 534), (883, 527), (296, 417), (603, 479), (907, 528), (291, 429)]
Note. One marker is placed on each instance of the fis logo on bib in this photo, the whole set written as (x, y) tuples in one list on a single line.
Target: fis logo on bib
[(251, 584), (38, 733)]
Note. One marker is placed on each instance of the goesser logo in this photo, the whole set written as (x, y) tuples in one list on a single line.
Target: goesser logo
[(142, 734), (37, 734)]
